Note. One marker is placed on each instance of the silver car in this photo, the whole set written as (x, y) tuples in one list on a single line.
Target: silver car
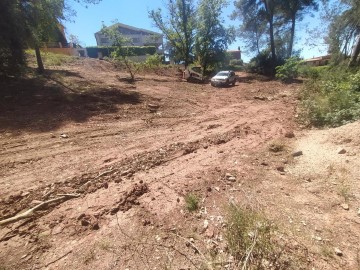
[(224, 78)]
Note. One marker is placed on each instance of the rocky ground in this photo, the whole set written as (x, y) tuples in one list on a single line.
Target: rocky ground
[(109, 167)]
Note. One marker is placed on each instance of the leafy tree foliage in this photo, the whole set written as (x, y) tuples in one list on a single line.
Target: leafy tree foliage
[(27, 23), (270, 25), (292, 11), (121, 52), (212, 38), (194, 30), (344, 32), (178, 27), (11, 37)]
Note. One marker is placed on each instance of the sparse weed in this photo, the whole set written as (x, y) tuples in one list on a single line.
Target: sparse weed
[(192, 202), (248, 236), (276, 146), (344, 191), (105, 245), (89, 256), (326, 251)]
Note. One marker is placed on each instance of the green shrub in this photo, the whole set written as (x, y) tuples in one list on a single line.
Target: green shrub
[(236, 62), (333, 99), (311, 72), (154, 61), (288, 71), (130, 50), (192, 202), (262, 63)]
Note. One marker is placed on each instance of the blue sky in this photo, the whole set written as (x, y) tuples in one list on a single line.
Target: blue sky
[(135, 13)]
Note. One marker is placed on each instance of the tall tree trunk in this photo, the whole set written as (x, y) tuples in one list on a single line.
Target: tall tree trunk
[(292, 36), (272, 44), (355, 52), (39, 60)]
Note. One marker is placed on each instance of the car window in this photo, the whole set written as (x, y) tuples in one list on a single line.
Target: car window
[(222, 74)]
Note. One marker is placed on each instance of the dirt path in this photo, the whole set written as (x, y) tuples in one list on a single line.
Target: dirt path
[(99, 136)]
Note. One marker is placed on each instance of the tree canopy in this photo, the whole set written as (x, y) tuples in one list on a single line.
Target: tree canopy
[(194, 30), (25, 24)]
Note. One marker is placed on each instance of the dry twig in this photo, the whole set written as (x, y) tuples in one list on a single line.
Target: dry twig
[(30, 212)]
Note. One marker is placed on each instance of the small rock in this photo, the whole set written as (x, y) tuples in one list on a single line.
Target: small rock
[(338, 251), (81, 216), (209, 233), (217, 189), (146, 222), (206, 224), (281, 168), (264, 164), (358, 212), (64, 136), (231, 179), (345, 206), (85, 222), (106, 185), (342, 151), (178, 200), (95, 226), (209, 189), (118, 180), (317, 238), (297, 153), (289, 134), (114, 210)]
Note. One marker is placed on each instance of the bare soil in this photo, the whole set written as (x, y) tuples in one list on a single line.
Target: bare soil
[(133, 151)]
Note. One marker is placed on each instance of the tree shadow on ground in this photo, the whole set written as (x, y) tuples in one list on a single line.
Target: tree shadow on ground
[(43, 104)]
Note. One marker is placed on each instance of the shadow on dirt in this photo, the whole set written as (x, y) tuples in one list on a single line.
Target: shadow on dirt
[(44, 104)]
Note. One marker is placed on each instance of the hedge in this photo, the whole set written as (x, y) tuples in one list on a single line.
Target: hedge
[(132, 50)]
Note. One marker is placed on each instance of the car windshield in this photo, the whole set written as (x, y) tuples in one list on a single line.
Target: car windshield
[(222, 73)]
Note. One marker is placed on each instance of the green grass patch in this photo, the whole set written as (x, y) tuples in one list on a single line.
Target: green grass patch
[(51, 59), (192, 202)]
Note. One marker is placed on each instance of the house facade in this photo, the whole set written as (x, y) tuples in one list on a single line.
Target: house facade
[(136, 36)]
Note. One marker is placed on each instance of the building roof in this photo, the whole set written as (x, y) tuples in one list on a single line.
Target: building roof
[(132, 28), (319, 58)]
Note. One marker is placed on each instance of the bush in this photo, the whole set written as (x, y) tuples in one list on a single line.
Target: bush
[(154, 61), (288, 71), (332, 100), (130, 50), (236, 62), (311, 72), (262, 63), (192, 202)]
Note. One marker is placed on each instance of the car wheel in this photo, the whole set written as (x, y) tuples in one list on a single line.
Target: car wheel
[(233, 83)]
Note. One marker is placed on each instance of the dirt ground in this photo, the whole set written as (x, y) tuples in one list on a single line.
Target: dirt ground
[(130, 153)]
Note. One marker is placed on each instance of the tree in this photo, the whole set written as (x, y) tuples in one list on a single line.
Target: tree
[(344, 29), (264, 10), (253, 27), (28, 23), (178, 27), (212, 38), (11, 37), (121, 52), (294, 10)]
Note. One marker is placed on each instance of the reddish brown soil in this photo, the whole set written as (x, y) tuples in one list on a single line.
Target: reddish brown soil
[(82, 129)]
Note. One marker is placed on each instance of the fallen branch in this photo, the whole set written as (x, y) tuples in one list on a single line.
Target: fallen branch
[(30, 212), (58, 259)]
